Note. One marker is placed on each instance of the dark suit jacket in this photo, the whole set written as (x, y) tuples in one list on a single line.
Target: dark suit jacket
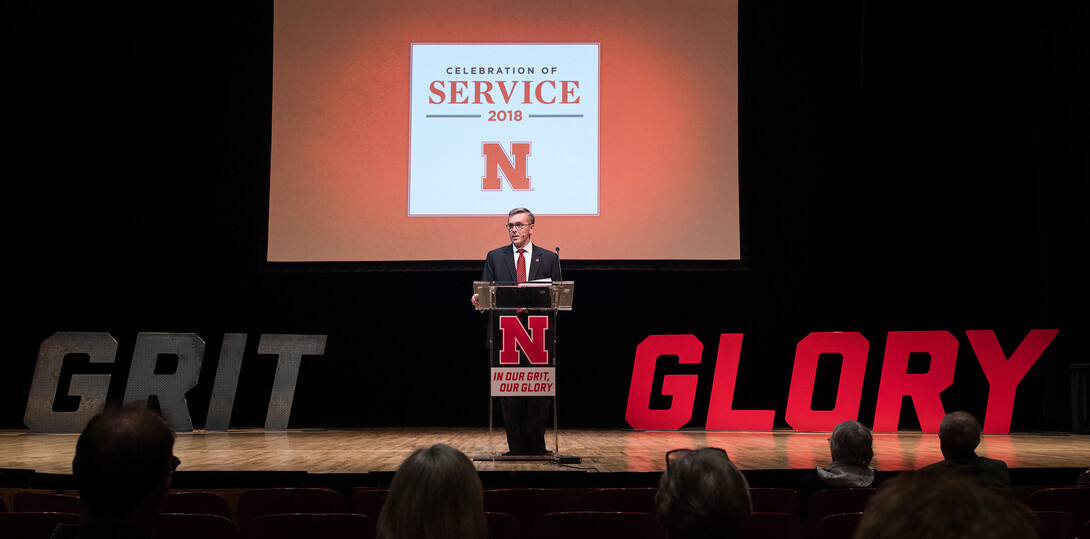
[(499, 265), (990, 472), (525, 418)]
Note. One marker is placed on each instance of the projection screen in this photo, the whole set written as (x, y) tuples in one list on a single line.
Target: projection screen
[(405, 131)]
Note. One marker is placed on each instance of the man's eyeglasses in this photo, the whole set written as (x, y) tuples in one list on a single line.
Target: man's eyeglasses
[(174, 462), (515, 226), (675, 454)]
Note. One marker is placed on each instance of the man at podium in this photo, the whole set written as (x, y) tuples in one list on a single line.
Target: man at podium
[(525, 418)]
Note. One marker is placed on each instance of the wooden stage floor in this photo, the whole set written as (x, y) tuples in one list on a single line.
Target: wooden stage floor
[(366, 450)]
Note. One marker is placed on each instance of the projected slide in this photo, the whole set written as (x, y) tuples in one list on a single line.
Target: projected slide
[(521, 108), (406, 131)]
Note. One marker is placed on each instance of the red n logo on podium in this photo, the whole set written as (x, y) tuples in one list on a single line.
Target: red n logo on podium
[(515, 335)]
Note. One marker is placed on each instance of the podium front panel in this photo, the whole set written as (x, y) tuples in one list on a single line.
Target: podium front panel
[(523, 354)]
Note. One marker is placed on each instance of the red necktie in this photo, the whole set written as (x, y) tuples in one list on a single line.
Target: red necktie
[(520, 267)]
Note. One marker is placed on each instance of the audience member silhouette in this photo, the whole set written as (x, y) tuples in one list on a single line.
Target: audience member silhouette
[(938, 505), (959, 435), (122, 468), (851, 448), (702, 495), (436, 493)]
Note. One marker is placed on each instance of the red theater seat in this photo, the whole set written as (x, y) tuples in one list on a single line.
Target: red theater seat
[(1023, 492), (191, 525), (43, 502), (833, 501), (275, 501), (33, 525), (369, 501), (1055, 525), (1073, 500), (316, 525), (527, 504), (837, 526), (503, 526), (597, 525), (773, 526), (203, 503), (775, 500), (637, 500)]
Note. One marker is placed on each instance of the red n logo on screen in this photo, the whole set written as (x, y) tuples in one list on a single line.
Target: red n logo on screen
[(513, 166), (515, 337)]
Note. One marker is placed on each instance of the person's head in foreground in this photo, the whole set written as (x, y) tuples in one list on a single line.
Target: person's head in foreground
[(940, 505), (436, 493), (123, 466), (702, 494)]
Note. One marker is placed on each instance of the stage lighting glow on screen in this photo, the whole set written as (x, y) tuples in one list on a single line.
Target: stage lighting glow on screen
[(406, 131)]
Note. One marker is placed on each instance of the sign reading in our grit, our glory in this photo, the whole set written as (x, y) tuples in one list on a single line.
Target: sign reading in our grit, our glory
[(502, 125), (536, 380)]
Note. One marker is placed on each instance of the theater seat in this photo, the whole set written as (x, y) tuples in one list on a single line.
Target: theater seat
[(33, 525), (503, 526), (315, 525), (1055, 525), (1023, 492), (369, 501), (638, 500), (1073, 500), (597, 525), (833, 501), (43, 502), (837, 526), (775, 500), (194, 525), (203, 503), (527, 504), (274, 501), (773, 526)]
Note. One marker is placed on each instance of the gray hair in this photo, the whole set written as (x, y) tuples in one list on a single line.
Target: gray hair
[(517, 211), (851, 443)]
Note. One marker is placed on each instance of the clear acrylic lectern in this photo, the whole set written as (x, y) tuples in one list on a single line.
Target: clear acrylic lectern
[(522, 337)]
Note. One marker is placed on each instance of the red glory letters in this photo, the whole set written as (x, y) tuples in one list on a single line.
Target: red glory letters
[(897, 382)]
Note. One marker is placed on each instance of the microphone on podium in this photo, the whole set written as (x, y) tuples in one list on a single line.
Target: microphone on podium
[(558, 266)]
